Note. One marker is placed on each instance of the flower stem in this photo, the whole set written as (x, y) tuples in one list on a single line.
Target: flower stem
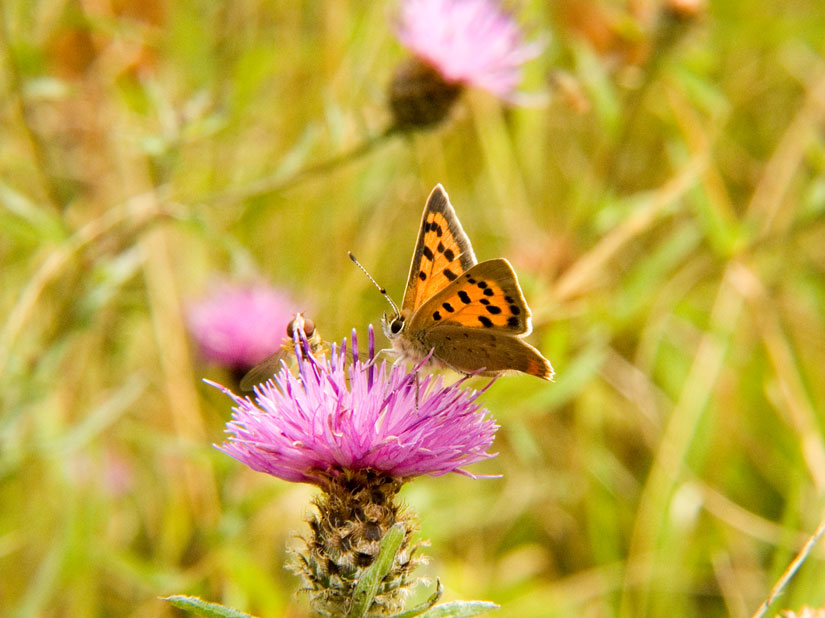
[(275, 183), (38, 145)]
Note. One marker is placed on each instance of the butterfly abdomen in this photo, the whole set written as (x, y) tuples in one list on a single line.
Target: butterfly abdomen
[(415, 350)]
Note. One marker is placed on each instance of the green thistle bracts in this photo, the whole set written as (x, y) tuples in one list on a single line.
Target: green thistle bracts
[(355, 512)]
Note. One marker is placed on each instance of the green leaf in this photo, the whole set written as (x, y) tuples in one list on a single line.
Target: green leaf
[(27, 219), (203, 608), (420, 609), (367, 586), (460, 609)]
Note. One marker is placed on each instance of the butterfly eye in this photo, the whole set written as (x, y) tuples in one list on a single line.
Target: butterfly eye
[(396, 325), (306, 324)]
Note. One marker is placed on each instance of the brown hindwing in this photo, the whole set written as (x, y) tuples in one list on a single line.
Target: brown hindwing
[(496, 352), (442, 252)]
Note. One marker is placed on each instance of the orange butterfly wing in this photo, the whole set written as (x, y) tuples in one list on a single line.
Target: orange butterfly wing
[(442, 252), (487, 296), (470, 316)]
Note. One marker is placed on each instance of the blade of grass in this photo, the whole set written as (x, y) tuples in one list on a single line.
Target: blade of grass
[(800, 408), (793, 567), (778, 173), (136, 210), (581, 275), (684, 420)]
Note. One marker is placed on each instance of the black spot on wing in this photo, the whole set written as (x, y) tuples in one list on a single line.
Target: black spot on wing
[(449, 255), (485, 321), (427, 253), (465, 298), (493, 309), (512, 322), (450, 274)]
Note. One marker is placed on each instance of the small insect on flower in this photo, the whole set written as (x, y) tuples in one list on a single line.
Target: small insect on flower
[(267, 368)]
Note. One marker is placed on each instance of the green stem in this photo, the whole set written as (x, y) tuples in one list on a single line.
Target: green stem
[(275, 183), (793, 567), (39, 152), (669, 31)]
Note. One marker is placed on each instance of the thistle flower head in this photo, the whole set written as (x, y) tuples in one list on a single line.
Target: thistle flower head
[(331, 416), (469, 42), (358, 430), (237, 326)]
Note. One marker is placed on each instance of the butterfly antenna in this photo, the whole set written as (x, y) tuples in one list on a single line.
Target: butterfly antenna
[(375, 283)]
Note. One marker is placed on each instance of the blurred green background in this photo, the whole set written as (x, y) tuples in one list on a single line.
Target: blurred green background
[(665, 211)]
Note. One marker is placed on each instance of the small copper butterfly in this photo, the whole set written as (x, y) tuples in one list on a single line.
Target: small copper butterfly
[(271, 365), (471, 315)]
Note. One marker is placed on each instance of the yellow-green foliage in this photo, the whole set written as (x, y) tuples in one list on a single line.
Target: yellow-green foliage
[(665, 211)]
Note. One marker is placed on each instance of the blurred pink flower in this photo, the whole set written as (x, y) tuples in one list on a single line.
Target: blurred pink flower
[(331, 417), (469, 42), (237, 326)]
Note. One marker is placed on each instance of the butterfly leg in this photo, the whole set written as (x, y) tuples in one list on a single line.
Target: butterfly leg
[(380, 355), (416, 391)]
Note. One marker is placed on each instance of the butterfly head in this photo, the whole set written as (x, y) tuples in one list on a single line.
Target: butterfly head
[(393, 325)]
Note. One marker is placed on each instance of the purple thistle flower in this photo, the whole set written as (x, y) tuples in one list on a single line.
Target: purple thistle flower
[(469, 42), (237, 326), (331, 417)]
